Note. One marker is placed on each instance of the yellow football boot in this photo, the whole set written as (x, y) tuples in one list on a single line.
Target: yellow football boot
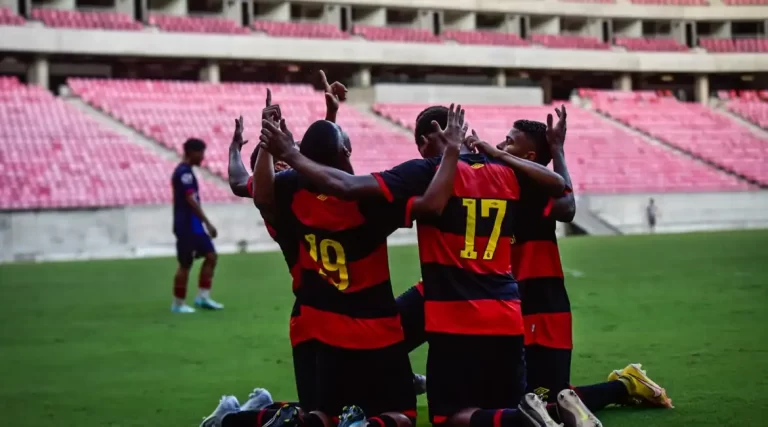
[(642, 387)]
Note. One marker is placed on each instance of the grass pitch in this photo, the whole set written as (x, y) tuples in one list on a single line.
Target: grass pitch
[(93, 344)]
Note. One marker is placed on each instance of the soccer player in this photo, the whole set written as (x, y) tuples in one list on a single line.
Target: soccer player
[(344, 288), (472, 312), (193, 231)]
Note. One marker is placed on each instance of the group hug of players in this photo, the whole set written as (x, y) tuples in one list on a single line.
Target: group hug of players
[(491, 305)]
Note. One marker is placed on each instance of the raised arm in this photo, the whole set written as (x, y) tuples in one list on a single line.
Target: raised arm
[(276, 139), (552, 184), (236, 172), (263, 185), (440, 188), (334, 94), (563, 208)]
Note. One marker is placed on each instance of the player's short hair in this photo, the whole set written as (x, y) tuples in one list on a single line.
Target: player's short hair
[(193, 145), (424, 120), (536, 133), (322, 142)]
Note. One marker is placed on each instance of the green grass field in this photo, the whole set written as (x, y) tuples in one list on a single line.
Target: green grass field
[(93, 344)]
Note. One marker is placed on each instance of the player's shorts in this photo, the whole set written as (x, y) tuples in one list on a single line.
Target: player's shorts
[(410, 305), (377, 380), (549, 371), (472, 371), (191, 246), (305, 371)]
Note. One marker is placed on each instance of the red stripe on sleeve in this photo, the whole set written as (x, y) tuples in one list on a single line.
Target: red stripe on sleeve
[(249, 186), (384, 187), (190, 191), (536, 258), (348, 332), (445, 249), (489, 181), (420, 287), (326, 212), (497, 418), (548, 208), (553, 330), (475, 317)]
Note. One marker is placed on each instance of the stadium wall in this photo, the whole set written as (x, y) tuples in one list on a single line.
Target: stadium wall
[(447, 94), (145, 231)]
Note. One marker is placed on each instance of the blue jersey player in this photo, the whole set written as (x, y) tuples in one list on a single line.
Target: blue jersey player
[(193, 232)]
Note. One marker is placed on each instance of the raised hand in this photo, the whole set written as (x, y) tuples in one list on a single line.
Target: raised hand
[(237, 138), (276, 138), (271, 112), (475, 144), (334, 93), (455, 129), (556, 134)]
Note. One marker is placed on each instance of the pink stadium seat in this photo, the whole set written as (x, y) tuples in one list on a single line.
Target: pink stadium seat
[(672, 2), (569, 42), (491, 38), (171, 111), (734, 46), (605, 159), (690, 127), (650, 44), (300, 29), (9, 18), (79, 19), (590, 1), (755, 111), (395, 34), (745, 2), (196, 24), (54, 156)]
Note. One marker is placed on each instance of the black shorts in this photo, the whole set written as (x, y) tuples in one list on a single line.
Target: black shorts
[(191, 246), (305, 371), (549, 371), (470, 371), (378, 381), (410, 305)]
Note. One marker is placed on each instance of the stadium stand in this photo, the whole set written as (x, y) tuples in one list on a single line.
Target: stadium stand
[(745, 2), (672, 2), (692, 128), (78, 19), (491, 38), (196, 24), (606, 159), (568, 42), (171, 111), (748, 104), (7, 17), (53, 156), (400, 34), (650, 45), (734, 46), (299, 29)]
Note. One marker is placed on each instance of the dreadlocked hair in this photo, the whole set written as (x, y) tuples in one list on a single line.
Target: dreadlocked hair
[(536, 132)]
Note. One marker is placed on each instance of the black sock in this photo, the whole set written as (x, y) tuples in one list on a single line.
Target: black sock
[(598, 396), (382, 421), (495, 418)]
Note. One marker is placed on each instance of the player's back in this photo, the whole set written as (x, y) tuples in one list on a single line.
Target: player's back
[(465, 253), (343, 267)]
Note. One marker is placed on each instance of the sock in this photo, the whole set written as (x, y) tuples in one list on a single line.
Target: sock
[(382, 421), (598, 396), (495, 418), (204, 293), (179, 289)]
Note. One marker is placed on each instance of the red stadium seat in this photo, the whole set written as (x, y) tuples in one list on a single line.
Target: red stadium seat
[(300, 29), (734, 46), (606, 159), (569, 42), (395, 34), (650, 44), (690, 127), (196, 24), (68, 160), (78, 19), (171, 111), (754, 110), (672, 2), (491, 38), (9, 18)]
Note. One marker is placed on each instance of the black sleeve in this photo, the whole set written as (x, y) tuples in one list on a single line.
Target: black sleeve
[(407, 179)]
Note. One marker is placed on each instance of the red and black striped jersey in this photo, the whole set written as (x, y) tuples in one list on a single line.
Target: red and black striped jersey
[(538, 269), (343, 275), (465, 253)]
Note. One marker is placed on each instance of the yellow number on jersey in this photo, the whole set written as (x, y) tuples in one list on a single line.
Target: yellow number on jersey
[(340, 265), (485, 211)]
